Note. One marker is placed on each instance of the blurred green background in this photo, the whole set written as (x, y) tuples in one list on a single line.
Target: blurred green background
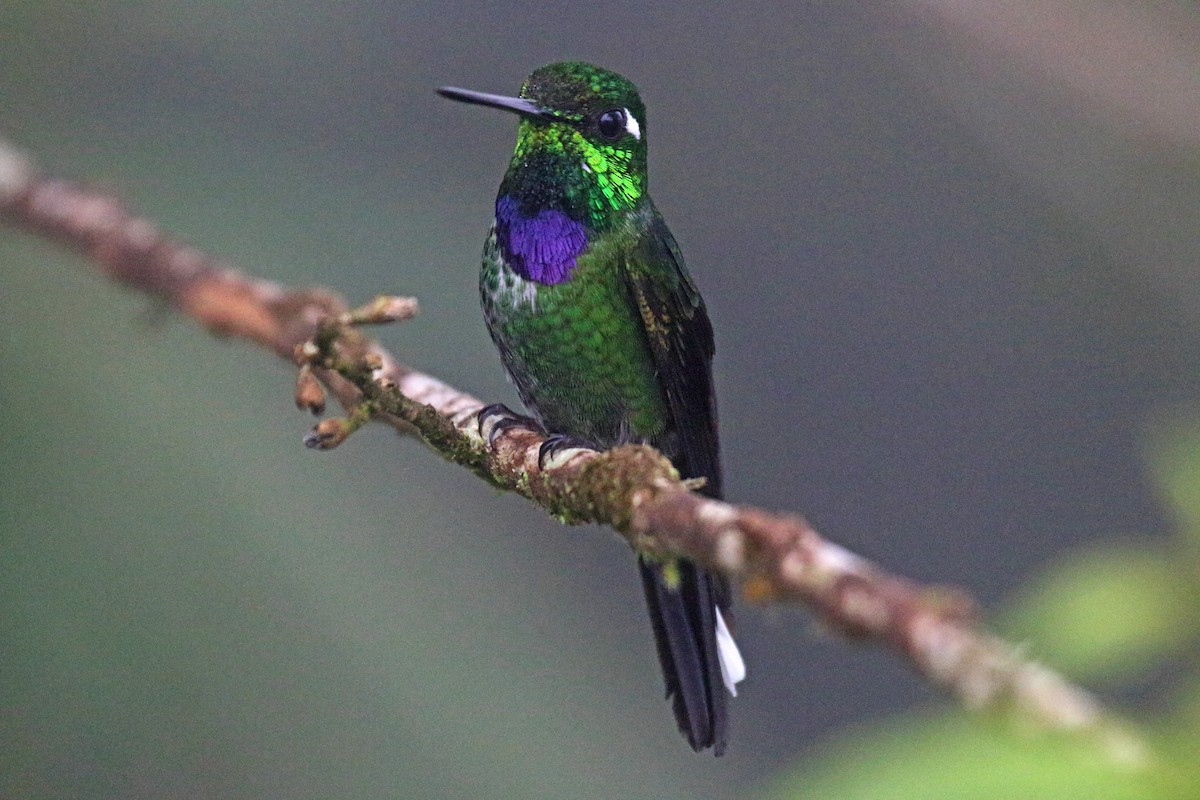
[(950, 254)]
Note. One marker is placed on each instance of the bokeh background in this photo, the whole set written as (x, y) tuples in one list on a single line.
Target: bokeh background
[(950, 252)]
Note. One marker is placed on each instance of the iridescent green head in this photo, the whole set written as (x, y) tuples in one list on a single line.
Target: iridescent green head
[(581, 143)]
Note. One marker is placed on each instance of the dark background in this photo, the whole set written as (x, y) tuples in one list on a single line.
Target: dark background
[(949, 256)]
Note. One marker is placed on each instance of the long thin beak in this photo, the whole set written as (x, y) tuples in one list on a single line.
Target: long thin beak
[(517, 105)]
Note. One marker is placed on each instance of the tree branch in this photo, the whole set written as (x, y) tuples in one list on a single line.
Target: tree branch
[(634, 489)]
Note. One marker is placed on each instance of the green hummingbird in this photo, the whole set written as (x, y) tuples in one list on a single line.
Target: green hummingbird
[(606, 338)]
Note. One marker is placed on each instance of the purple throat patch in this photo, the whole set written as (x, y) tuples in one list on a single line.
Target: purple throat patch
[(541, 248)]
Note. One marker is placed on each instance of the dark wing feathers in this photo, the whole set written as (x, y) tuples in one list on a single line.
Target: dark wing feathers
[(681, 343)]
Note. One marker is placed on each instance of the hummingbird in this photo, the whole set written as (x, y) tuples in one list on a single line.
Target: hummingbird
[(606, 338)]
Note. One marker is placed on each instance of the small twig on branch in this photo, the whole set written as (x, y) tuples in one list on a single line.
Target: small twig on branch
[(634, 489)]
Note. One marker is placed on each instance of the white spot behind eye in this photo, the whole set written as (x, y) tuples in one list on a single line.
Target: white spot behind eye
[(631, 125)]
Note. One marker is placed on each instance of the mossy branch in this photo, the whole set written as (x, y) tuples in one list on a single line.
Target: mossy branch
[(633, 489)]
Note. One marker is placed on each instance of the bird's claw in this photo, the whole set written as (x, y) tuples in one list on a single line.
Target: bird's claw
[(560, 448), (496, 418)]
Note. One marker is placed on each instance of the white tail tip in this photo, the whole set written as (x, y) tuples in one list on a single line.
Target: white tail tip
[(733, 667)]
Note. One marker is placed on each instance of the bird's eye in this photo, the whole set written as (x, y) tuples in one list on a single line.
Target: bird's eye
[(611, 124)]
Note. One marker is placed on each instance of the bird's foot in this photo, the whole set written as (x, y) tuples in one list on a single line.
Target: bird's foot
[(559, 448), (496, 418)]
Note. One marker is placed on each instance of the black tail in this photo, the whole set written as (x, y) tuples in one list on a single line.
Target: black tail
[(685, 630)]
